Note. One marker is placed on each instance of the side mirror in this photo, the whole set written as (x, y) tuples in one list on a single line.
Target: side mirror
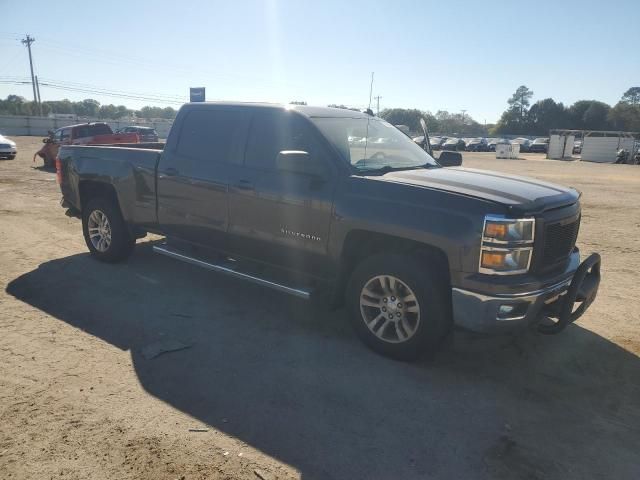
[(450, 159), (298, 161), (46, 140)]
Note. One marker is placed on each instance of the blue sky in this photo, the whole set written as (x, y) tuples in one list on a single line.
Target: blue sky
[(430, 55)]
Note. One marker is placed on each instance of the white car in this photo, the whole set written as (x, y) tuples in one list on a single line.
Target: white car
[(7, 148)]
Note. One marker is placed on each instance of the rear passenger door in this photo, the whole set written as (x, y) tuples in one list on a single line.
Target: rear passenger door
[(193, 177), (280, 217)]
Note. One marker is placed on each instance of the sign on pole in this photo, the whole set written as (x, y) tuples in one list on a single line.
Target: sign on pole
[(197, 94)]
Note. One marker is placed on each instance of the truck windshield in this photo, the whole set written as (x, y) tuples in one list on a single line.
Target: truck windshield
[(370, 144)]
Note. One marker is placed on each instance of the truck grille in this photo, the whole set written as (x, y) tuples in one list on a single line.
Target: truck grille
[(559, 241)]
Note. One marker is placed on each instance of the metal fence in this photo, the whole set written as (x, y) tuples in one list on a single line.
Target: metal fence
[(11, 125)]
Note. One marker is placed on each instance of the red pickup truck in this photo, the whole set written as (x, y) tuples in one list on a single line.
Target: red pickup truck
[(83, 134)]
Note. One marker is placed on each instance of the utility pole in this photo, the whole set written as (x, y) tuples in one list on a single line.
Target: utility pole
[(378, 105), (38, 91), (370, 91), (28, 41), (39, 99), (463, 112)]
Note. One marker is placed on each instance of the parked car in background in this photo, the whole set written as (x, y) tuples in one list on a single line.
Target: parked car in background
[(453, 143), (539, 145), (97, 133), (417, 140), (525, 143), (492, 142), (477, 145), (437, 142), (7, 148), (577, 147), (146, 134)]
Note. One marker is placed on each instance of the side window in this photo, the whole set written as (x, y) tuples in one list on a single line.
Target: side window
[(81, 132), (65, 134), (210, 135), (274, 131), (57, 136)]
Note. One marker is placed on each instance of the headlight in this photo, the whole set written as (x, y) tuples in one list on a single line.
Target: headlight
[(507, 245), (502, 230)]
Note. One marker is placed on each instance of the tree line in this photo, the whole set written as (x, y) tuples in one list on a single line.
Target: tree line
[(520, 117), (523, 118), (442, 122), (17, 105)]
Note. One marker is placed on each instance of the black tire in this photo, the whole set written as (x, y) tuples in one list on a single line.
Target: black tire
[(429, 290), (11, 157), (122, 243)]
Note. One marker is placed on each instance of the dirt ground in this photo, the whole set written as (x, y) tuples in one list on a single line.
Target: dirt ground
[(283, 389)]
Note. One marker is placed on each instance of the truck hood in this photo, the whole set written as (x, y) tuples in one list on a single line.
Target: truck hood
[(520, 195)]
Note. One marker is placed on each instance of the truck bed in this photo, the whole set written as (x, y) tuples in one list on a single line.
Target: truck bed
[(129, 168)]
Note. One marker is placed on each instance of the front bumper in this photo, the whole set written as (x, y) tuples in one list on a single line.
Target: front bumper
[(7, 151), (507, 312)]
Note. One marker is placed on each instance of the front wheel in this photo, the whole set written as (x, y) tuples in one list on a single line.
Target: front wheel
[(398, 306), (105, 231)]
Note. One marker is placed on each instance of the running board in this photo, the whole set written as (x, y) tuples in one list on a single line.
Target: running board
[(298, 292)]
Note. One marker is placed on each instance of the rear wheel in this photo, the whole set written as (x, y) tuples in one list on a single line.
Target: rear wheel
[(398, 307), (105, 231)]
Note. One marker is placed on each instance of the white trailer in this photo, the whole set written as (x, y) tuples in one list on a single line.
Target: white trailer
[(602, 147), (597, 145)]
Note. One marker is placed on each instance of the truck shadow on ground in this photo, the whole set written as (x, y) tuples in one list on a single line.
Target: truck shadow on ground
[(293, 381)]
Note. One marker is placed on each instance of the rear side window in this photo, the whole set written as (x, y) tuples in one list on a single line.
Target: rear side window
[(210, 135), (91, 131), (99, 130), (274, 131)]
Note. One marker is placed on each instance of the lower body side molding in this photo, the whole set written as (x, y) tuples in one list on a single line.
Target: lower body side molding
[(299, 292)]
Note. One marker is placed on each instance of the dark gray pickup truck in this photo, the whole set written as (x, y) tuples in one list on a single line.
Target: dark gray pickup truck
[(340, 205)]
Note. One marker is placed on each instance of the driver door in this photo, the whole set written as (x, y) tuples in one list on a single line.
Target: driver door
[(281, 217)]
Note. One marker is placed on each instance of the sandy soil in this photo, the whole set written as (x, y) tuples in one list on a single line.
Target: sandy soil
[(284, 389)]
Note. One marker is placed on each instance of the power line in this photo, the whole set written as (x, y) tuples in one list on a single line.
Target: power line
[(93, 91)]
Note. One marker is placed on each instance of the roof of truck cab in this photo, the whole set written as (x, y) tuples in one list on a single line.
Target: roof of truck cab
[(82, 125), (306, 110)]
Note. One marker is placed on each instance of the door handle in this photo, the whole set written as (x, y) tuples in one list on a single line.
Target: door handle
[(171, 172), (244, 185)]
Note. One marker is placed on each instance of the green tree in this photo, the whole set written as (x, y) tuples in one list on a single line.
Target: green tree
[(515, 120), (108, 111), (520, 100), (632, 96), (625, 116), (87, 108), (60, 106), (123, 111), (545, 115), (404, 116), (169, 113), (589, 115)]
